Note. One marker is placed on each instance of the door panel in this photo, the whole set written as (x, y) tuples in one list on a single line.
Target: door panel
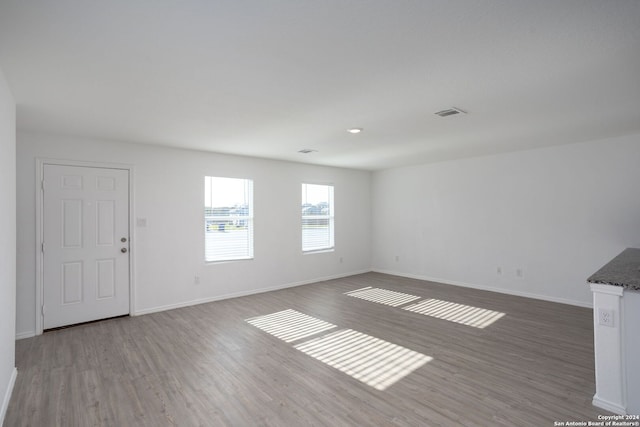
[(85, 219), (71, 282)]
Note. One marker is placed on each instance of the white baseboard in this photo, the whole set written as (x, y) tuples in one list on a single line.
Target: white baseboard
[(7, 395), (241, 294), (489, 288), (609, 406), (23, 335)]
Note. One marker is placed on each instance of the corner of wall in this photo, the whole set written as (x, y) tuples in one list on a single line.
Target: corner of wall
[(7, 395), (7, 243)]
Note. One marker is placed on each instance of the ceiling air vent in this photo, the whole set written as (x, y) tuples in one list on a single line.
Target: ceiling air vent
[(307, 151), (450, 112)]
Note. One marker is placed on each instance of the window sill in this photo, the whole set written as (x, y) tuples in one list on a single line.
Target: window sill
[(226, 261), (318, 251)]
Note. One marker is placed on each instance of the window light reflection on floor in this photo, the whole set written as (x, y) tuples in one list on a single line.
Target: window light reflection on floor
[(373, 361), (290, 325), (382, 296), (458, 313)]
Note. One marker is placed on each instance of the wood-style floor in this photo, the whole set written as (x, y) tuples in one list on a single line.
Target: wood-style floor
[(207, 366)]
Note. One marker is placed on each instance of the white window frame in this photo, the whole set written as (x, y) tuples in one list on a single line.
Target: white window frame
[(330, 217), (231, 219)]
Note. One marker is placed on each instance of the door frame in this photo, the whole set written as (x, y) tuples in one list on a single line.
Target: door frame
[(40, 164)]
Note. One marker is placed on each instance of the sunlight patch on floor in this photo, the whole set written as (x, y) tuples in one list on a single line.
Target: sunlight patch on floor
[(290, 325), (373, 361), (458, 313), (382, 296)]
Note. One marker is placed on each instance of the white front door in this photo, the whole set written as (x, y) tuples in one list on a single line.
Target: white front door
[(85, 244)]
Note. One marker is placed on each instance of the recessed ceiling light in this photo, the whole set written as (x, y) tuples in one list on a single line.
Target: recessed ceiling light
[(354, 130), (307, 151)]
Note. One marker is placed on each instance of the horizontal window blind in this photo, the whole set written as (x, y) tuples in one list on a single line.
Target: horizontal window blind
[(317, 217), (228, 219)]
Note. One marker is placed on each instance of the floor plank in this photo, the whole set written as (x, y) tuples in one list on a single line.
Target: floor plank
[(207, 366)]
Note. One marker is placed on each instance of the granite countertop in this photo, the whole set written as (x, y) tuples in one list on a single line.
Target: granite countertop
[(623, 270)]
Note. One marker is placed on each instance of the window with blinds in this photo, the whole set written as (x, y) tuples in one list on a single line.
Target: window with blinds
[(317, 217), (228, 219)]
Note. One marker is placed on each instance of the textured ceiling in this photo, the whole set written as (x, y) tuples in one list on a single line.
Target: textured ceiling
[(268, 78)]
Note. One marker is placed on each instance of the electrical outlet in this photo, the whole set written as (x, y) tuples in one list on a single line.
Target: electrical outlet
[(341, 260), (499, 271), (519, 273), (606, 317), (397, 258), (196, 280)]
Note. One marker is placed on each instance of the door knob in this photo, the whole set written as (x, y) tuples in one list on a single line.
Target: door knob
[(123, 250)]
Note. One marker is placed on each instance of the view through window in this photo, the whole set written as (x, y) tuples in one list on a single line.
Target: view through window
[(317, 217), (228, 218)]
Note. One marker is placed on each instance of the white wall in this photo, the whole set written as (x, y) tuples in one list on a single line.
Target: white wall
[(557, 213), (7, 243), (169, 192)]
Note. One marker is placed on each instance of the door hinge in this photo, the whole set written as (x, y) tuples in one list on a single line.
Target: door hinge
[(42, 247), (42, 309), (42, 184)]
